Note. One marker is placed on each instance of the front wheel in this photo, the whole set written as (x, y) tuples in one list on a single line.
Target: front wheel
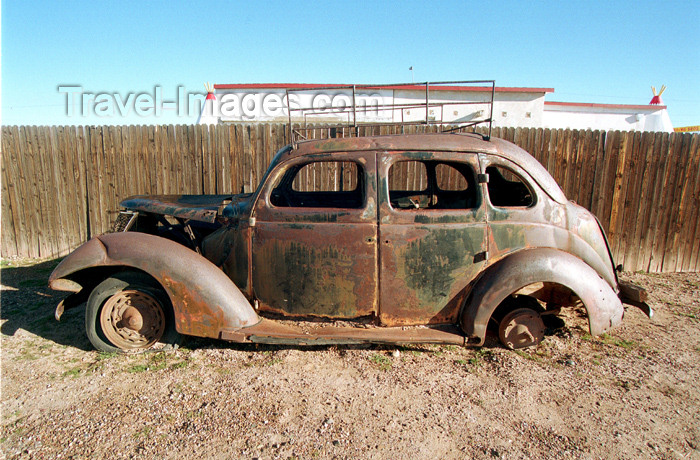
[(129, 311)]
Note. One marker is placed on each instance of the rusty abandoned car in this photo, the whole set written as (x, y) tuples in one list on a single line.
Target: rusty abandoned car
[(420, 238)]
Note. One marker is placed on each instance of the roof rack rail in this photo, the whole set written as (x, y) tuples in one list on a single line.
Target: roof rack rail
[(355, 106)]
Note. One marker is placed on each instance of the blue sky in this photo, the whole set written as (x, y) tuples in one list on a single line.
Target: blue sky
[(607, 52)]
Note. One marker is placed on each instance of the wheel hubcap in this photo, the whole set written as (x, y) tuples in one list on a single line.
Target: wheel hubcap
[(521, 328), (132, 319)]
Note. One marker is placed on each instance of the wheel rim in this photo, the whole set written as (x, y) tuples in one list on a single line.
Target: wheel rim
[(132, 319), (521, 328)]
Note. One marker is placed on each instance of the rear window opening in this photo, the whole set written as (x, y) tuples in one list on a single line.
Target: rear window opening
[(432, 185), (507, 189)]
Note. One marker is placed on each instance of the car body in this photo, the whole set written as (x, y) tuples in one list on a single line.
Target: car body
[(387, 239)]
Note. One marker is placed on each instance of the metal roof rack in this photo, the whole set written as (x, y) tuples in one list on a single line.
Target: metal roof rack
[(389, 104)]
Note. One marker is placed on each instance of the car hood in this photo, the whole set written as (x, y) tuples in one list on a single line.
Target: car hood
[(203, 208)]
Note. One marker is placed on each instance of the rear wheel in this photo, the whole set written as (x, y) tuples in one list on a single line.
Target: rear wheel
[(129, 312), (520, 323), (521, 328)]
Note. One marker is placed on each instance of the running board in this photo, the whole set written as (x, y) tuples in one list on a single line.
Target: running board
[(268, 331)]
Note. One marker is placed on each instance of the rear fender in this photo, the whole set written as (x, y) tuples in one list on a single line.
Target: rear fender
[(530, 266), (205, 301)]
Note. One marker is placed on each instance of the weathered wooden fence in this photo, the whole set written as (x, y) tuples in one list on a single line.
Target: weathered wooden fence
[(61, 185)]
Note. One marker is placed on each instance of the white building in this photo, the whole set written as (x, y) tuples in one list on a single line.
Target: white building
[(448, 103), (607, 117)]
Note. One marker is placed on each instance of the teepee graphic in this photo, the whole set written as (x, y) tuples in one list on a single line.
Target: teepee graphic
[(208, 117), (656, 100)]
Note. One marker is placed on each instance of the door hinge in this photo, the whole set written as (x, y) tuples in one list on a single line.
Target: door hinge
[(483, 178)]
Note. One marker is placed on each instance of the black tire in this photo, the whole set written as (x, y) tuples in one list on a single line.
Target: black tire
[(130, 311)]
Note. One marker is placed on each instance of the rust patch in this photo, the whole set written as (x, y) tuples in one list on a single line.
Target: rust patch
[(193, 315)]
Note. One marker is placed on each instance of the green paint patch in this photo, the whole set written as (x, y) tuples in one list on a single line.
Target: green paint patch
[(434, 262)]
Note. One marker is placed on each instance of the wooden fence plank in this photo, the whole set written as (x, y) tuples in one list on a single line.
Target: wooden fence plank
[(64, 184), (633, 256), (679, 149), (691, 228), (9, 227), (81, 146), (40, 215), (629, 201), (660, 215), (617, 210), (15, 183)]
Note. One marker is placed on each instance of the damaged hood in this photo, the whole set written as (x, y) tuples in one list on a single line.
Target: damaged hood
[(203, 208)]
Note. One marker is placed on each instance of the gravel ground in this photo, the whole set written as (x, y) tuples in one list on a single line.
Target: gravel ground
[(631, 394)]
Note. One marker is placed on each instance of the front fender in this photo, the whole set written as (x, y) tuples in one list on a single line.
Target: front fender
[(205, 301), (541, 265)]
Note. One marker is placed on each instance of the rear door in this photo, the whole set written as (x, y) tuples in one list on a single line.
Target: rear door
[(432, 233), (314, 242)]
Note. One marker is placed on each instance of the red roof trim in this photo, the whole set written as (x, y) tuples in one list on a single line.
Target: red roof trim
[(605, 106), (500, 89)]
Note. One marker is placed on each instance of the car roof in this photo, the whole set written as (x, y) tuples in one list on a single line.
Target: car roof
[(443, 142)]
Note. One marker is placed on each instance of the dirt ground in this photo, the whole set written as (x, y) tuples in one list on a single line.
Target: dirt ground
[(631, 394)]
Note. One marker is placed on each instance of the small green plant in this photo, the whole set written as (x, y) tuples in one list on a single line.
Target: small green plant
[(610, 340), (74, 372), (686, 315), (143, 432), (179, 365), (536, 357), (104, 355), (136, 368), (381, 361)]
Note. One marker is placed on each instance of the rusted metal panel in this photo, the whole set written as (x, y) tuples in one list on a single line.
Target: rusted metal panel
[(195, 207), (317, 261), (541, 265), (316, 269), (268, 331), (205, 300), (427, 256), (546, 223), (229, 249)]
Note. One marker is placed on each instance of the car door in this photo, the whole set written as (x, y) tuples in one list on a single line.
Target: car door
[(314, 241), (432, 232)]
